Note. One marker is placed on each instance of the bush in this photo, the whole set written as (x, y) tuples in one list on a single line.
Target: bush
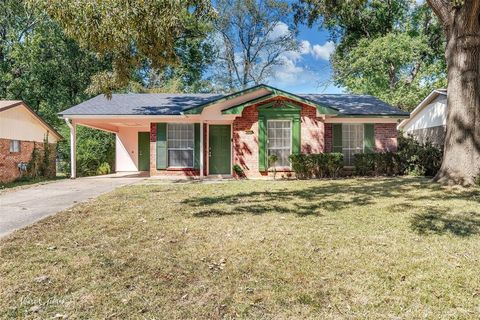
[(322, 165), (238, 171), (378, 164), (419, 159), (104, 168), (412, 158)]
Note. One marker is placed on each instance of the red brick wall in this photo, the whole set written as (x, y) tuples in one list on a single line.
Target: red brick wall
[(328, 137), (245, 144), (9, 161), (386, 137)]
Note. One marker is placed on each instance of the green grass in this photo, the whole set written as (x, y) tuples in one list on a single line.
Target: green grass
[(358, 248)]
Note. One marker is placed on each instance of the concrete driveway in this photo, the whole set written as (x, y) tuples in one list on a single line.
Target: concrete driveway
[(24, 207)]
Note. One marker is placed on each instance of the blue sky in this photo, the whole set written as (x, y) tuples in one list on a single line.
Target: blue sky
[(309, 70)]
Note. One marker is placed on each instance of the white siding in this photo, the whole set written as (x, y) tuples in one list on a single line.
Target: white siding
[(433, 115), (126, 149), (18, 123)]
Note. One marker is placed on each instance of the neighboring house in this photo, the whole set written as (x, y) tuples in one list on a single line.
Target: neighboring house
[(205, 134), (428, 120), (22, 130)]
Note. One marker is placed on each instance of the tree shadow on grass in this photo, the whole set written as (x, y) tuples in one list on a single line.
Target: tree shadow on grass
[(441, 222), (328, 197)]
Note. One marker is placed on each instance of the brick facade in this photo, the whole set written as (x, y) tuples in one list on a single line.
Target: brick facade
[(386, 137), (316, 137), (245, 137), (9, 161)]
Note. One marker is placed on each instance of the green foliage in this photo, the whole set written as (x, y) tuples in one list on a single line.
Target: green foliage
[(393, 50), (378, 164), (238, 171), (128, 32), (322, 165), (418, 159), (40, 65), (412, 158), (272, 161), (94, 147), (34, 165), (104, 168)]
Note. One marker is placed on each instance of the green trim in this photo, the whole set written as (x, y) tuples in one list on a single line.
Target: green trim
[(196, 150), (337, 138), (274, 92), (273, 111), (238, 109), (262, 143), (368, 138), (161, 146), (199, 109), (372, 116)]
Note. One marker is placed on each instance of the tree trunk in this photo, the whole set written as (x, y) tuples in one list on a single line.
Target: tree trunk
[(461, 161)]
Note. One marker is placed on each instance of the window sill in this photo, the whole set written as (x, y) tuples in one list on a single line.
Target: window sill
[(280, 169), (180, 169)]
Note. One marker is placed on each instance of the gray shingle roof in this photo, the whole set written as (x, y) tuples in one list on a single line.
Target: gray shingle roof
[(140, 104), (349, 104), (174, 104)]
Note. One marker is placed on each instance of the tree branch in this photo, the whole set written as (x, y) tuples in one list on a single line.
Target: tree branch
[(443, 10)]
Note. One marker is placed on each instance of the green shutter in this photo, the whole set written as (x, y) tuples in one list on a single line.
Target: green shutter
[(262, 143), (369, 138), (196, 151), (337, 138), (296, 135), (161, 146)]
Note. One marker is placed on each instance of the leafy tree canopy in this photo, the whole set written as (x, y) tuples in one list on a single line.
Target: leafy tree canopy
[(128, 32), (391, 49)]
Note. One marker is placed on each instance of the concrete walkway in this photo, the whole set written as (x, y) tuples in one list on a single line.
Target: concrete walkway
[(26, 206)]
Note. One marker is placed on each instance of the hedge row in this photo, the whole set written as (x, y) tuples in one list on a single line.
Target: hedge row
[(322, 165), (412, 158)]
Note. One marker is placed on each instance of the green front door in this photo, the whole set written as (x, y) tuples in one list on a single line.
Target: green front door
[(143, 151), (219, 142)]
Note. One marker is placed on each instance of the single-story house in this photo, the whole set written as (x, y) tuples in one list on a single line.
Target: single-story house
[(428, 120), (22, 130), (206, 134)]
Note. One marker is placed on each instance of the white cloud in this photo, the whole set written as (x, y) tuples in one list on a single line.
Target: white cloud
[(279, 30), (323, 51)]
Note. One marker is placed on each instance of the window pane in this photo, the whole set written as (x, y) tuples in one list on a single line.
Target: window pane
[(14, 146), (280, 141), (180, 141), (352, 141)]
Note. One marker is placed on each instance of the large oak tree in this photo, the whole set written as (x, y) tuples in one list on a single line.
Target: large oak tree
[(461, 22)]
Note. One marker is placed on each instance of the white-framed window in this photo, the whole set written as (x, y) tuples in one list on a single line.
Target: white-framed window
[(14, 146), (180, 143), (280, 140), (352, 141)]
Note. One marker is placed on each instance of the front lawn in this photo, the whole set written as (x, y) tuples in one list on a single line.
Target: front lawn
[(357, 248)]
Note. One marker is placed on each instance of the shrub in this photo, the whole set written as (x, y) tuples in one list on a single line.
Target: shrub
[(419, 159), (238, 171), (322, 165), (104, 168), (378, 164), (301, 166), (412, 158)]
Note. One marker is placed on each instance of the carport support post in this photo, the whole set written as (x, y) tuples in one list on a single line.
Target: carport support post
[(201, 149), (73, 148)]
